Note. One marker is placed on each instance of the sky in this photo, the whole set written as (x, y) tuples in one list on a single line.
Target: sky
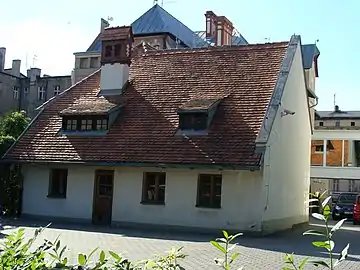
[(46, 33)]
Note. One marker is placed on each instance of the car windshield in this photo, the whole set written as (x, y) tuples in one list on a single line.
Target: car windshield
[(347, 198)]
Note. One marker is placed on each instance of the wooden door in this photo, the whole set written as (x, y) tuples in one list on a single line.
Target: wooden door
[(103, 197)]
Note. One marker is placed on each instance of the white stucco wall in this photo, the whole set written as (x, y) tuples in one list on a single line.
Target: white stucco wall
[(78, 203), (287, 157), (240, 206)]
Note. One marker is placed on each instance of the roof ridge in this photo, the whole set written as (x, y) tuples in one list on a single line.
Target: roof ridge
[(247, 47)]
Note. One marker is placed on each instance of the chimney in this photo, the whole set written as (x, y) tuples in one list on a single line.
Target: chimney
[(15, 69), (104, 24), (337, 109), (219, 29), (2, 58), (116, 50), (211, 21), (33, 73)]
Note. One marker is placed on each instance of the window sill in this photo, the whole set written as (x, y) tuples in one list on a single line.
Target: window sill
[(208, 207), (50, 196), (83, 133), (152, 203)]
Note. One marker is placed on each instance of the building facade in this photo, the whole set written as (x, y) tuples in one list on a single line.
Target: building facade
[(335, 151), (27, 92)]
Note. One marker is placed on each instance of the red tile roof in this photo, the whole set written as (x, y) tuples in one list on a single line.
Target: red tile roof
[(114, 33), (163, 81)]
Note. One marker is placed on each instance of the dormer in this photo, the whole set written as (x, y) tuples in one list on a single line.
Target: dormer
[(116, 53), (195, 116), (89, 117)]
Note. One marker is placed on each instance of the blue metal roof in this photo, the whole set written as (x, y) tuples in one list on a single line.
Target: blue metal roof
[(309, 51), (158, 20)]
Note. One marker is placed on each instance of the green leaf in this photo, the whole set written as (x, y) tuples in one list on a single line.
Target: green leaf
[(326, 201), (226, 235), (343, 255), (234, 256), (92, 253), (338, 225), (287, 268), (81, 259), (102, 256), (221, 240), (57, 245), (65, 261), (289, 258), (115, 255), (303, 262), (218, 246), (318, 216), (326, 211), (317, 263), (324, 244), (314, 232)]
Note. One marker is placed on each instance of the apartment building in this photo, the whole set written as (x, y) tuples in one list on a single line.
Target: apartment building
[(27, 92), (335, 151)]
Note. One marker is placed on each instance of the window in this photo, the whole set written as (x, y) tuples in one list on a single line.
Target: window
[(209, 191), (94, 62), (58, 183), (337, 124), (336, 185), (83, 63), (321, 124), (41, 93), (108, 51), (71, 124), (352, 124), (16, 92), (56, 90), (117, 50), (319, 148), (101, 124), (193, 121), (154, 188), (86, 124), (26, 91)]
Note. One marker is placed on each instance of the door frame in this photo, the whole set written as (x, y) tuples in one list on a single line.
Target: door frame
[(95, 193)]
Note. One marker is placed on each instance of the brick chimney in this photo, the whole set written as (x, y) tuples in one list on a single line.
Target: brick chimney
[(219, 28), (116, 51)]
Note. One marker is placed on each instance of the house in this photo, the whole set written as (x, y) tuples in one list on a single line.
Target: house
[(336, 167), (26, 92), (210, 138)]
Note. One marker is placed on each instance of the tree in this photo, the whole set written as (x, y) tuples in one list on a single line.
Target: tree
[(11, 127)]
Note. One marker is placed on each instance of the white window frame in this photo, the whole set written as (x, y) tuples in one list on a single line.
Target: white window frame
[(15, 92), (336, 183), (56, 90), (41, 93), (26, 91)]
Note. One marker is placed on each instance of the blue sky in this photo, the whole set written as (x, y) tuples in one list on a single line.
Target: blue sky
[(53, 30)]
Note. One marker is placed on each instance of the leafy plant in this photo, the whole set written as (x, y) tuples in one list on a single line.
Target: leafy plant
[(224, 246), (327, 235)]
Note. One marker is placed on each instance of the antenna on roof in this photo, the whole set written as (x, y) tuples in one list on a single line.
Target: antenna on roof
[(334, 100), (110, 18), (267, 39), (155, 2)]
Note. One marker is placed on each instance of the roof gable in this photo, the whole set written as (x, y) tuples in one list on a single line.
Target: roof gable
[(145, 132)]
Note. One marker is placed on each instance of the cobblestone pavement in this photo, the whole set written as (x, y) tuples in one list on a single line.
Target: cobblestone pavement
[(255, 253)]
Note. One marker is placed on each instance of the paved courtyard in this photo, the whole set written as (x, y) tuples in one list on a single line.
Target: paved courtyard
[(255, 253)]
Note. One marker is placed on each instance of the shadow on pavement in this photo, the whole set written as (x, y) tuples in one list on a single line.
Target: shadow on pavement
[(286, 242)]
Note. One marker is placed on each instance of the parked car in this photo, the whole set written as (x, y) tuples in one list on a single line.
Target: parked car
[(356, 214), (344, 206)]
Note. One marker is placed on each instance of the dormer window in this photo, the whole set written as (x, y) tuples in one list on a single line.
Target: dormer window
[(89, 117), (196, 115)]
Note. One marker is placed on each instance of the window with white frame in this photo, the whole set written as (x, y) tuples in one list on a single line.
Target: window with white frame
[(56, 90), (16, 92), (26, 91), (41, 93)]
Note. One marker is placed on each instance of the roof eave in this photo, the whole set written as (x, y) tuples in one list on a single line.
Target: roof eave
[(139, 164)]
